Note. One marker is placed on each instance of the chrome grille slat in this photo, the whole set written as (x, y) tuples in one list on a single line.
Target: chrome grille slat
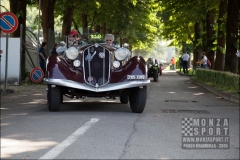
[(89, 67), (103, 66)]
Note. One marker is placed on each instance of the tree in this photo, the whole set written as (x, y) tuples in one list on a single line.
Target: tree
[(48, 21), (219, 62), (196, 45), (232, 35), (67, 20), (211, 36), (19, 9)]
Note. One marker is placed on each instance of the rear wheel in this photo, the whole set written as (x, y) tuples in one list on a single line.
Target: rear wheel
[(124, 99), (138, 99), (155, 75), (54, 98)]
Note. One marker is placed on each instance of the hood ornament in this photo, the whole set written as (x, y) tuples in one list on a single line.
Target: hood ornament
[(89, 57)]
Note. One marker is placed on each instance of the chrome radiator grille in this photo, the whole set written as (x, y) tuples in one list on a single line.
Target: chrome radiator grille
[(96, 65)]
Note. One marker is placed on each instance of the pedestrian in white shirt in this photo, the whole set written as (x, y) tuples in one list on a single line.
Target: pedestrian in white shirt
[(238, 53), (203, 60), (185, 58)]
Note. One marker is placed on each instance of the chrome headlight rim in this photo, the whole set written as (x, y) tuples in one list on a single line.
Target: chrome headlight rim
[(71, 53), (76, 63), (120, 54), (116, 64)]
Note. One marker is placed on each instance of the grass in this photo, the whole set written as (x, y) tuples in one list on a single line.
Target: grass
[(23, 86)]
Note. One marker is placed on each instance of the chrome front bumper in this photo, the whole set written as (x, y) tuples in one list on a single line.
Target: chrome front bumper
[(108, 87)]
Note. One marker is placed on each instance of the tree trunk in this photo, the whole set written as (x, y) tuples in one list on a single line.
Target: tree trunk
[(219, 62), (231, 35), (47, 8), (204, 35), (210, 35), (19, 8), (103, 28), (76, 26), (85, 25), (97, 28), (195, 43), (109, 30), (67, 21)]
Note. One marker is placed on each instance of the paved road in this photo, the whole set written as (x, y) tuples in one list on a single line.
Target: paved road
[(88, 129)]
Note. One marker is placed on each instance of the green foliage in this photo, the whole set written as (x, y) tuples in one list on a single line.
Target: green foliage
[(223, 80), (25, 74), (142, 23), (178, 18)]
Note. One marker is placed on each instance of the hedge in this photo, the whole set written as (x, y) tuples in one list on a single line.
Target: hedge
[(223, 80)]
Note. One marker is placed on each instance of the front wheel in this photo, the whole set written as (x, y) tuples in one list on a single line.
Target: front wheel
[(138, 99), (54, 98)]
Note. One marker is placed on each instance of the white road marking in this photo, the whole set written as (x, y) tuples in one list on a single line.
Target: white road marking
[(53, 153)]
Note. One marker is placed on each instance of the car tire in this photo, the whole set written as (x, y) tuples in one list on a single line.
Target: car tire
[(124, 99), (155, 75), (54, 98), (138, 99)]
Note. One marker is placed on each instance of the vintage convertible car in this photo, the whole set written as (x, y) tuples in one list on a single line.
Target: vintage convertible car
[(95, 70)]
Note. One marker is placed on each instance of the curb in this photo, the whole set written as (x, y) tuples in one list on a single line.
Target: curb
[(227, 96)]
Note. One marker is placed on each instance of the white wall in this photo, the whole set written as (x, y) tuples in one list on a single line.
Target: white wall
[(13, 71)]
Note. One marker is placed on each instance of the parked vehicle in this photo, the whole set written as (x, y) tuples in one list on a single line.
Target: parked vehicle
[(95, 70), (160, 67)]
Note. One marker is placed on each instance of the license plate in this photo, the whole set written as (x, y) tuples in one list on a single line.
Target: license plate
[(135, 76)]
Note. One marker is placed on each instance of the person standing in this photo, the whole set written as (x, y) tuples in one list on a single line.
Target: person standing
[(173, 62), (53, 49), (185, 58), (203, 61), (238, 53), (43, 57)]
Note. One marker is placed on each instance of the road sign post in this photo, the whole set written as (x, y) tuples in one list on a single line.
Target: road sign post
[(8, 24)]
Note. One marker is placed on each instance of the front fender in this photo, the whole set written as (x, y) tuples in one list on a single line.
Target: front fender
[(57, 68), (135, 66)]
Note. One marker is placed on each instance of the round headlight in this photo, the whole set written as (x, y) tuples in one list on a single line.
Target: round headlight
[(116, 64), (72, 53), (128, 53), (76, 63), (120, 54)]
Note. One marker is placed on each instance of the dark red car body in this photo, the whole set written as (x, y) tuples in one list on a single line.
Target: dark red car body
[(96, 76)]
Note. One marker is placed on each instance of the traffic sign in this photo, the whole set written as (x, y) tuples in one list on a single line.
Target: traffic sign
[(37, 75), (8, 22)]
